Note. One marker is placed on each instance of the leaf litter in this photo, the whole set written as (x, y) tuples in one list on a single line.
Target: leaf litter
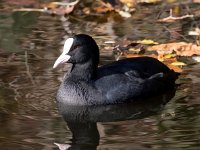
[(167, 52)]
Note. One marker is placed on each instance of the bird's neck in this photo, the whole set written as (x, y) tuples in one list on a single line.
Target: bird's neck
[(86, 71)]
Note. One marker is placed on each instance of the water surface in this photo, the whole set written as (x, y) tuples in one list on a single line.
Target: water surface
[(29, 119)]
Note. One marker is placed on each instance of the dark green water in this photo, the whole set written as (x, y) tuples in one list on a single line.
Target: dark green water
[(29, 119)]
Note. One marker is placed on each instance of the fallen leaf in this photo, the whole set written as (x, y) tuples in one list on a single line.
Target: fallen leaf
[(193, 33), (109, 42), (149, 1), (137, 50), (180, 49), (102, 7), (196, 58), (196, 1), (87, 10), (50, 5), (178, 63), (175, 68), (131, 55), (167, 56), (196, 32), (124, 14), (147, 42)]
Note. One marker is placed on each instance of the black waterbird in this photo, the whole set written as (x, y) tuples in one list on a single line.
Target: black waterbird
[(118, 82)]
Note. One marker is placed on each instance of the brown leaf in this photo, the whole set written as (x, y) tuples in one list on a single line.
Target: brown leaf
[(196, 1), (181, 49), (124, 14), (103, 7), (169, 61), (175, 68), (51, 5), (165, 58), (129, 55)]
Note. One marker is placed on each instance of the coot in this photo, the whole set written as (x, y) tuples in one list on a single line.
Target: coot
[(118, 82)]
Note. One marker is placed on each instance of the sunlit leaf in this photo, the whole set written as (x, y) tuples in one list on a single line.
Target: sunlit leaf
[(109, 42), (147, 42), (51, 5), (196, 1), (175, 68), (196, 32), (180, 48), (131, 55), (124, 14), (149, 1), (167, 56), (178, 63), (193, 33), (196, 58), (102, 9)]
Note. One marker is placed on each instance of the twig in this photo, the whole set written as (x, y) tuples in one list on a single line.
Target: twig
[(28, 69), (15, 88), (66, 3), (30, 9), (171, 18)]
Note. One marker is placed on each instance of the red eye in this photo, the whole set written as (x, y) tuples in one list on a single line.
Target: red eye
[(76, 46)]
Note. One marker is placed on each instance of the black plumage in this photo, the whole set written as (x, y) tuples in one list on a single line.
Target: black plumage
[(118, 82)]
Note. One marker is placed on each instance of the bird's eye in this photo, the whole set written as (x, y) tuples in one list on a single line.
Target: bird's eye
[(76, 46)]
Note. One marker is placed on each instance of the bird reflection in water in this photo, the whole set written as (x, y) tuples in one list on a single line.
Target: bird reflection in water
[(82, 120)]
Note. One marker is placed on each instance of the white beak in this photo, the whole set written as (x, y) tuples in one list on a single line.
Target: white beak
[(61, 59), (64, 57)]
